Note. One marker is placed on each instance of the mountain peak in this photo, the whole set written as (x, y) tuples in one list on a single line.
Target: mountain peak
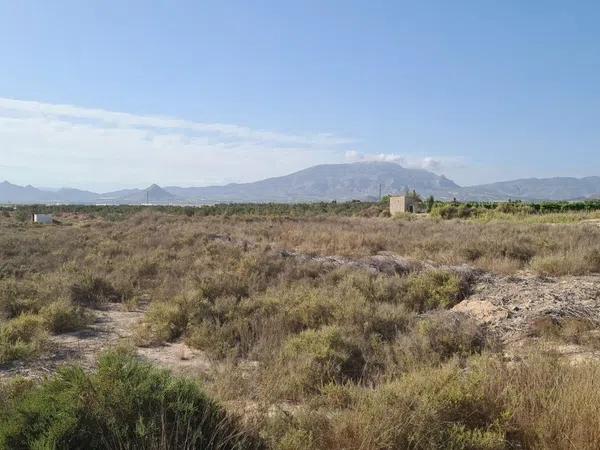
[(364, 180)]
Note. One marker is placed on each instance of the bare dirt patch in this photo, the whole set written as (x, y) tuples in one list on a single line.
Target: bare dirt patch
[(178, 358), (114, 325)]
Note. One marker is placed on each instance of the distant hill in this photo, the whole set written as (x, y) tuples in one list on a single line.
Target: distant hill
[(12, 193), (558, 188), (152, 194), (327, 182), (341, 182), (69, 195)]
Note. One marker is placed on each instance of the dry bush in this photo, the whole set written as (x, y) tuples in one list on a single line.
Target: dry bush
[(554, 404), (312, 359), (164, 322), (569, 330), (18, 298), (93, 291), (572, 262), (434, 339), (445, 407), (62, 316), (541, 403)]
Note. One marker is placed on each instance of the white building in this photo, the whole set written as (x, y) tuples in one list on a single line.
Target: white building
[(45, 219)]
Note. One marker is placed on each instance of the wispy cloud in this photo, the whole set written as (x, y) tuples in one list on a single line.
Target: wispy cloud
[(436, 164), (71, 145), (100, 117)]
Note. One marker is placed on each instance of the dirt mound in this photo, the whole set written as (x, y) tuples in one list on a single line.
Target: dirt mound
[(387, 263), (507, 306)]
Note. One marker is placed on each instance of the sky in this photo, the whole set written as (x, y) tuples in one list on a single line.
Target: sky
[(110, 94)]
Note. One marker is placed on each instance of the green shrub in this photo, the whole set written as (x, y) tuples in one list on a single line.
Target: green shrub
[(163, 322), (93, 291), (433, 290), (228, 325), (385, 320), (11, 390), (306, 430), (21, 337), (374, 288), (434, 408), (299, 308), (449, 211), (62, 316), (314, 358), (126, 404), (515, 208)]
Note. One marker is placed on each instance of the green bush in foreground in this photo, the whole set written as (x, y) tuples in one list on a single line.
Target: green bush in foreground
[(127, 404)]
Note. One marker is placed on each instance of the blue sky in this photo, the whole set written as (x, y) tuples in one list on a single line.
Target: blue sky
[(109, 94)]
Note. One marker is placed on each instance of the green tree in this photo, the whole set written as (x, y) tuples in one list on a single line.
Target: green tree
[(430, 203)]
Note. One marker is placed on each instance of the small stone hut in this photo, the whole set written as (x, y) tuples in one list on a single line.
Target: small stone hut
[(405, 204)]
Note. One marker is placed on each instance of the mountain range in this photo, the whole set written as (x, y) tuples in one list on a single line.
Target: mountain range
[(341, 182)]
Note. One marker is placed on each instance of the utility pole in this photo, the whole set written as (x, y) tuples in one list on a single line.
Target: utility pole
[(379, 191)]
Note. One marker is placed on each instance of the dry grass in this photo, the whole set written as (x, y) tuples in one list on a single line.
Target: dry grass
[(134, 253), (322, 357), (539, 404)]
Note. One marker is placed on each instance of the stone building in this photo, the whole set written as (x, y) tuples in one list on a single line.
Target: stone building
[(405, 204)]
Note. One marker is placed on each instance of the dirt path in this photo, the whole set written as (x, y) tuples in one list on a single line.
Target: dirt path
[(114, 325)]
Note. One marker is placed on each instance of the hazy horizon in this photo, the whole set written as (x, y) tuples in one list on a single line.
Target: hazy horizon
[(51, 188)]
